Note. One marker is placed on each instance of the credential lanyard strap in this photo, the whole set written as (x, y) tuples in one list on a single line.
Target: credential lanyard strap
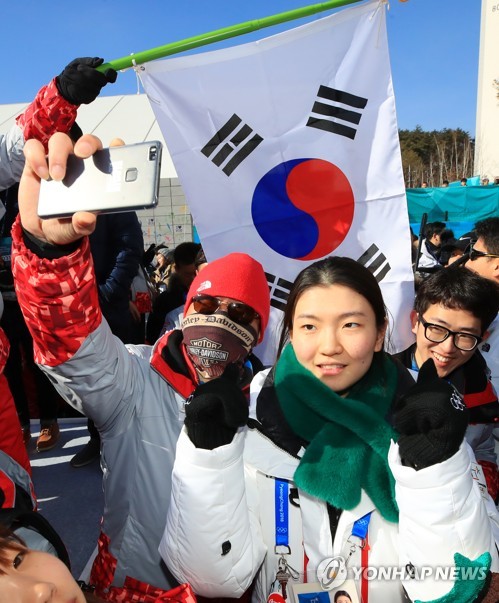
[(281, 512)]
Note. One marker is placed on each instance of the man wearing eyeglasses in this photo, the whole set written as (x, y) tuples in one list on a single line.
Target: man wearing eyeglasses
[(452, 313), (137, 396)]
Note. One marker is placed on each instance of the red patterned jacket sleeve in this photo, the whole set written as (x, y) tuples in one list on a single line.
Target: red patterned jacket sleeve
[(48, 113), (58, 298)]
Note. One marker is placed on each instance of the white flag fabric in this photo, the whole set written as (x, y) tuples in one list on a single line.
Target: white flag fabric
[(287, 149)]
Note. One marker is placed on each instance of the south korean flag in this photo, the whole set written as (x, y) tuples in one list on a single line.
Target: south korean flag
[(287, 149)]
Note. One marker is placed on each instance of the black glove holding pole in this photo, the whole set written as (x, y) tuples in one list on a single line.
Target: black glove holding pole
[(80, 83), (431, 419), (215, 410)]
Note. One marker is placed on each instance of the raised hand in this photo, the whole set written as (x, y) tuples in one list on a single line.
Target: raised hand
[(431, 419), (41, 166), (80, 82), (215, 410)]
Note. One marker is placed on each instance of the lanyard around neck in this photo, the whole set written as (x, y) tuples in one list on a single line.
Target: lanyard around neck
[(281, 512)]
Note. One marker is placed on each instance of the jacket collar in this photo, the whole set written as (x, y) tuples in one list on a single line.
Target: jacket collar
[(270, 420), (170, 360)]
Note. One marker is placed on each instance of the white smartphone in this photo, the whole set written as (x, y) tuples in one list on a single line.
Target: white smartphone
[(112, 180)]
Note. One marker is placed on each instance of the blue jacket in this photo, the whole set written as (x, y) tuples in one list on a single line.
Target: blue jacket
[(117, 246)]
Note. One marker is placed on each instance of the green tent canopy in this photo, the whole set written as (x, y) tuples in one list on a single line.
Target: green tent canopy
[(459, 207)]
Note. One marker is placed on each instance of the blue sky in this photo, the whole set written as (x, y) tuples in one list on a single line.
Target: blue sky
[(434, 45)]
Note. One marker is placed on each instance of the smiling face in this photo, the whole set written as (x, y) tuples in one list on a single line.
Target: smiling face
[(334, 335), (36, 577), (446, 356)]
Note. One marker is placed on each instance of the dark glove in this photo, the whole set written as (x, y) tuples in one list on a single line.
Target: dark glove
[(215, 410), (431, 419), (80, 83)]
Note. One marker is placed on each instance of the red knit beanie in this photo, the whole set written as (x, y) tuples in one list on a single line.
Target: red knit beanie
[(238, 276)]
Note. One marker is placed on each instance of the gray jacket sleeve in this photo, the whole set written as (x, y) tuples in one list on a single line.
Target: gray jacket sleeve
[(105, 380), (11, 157)]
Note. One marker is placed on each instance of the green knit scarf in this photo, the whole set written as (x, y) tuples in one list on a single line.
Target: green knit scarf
[(349, 437)]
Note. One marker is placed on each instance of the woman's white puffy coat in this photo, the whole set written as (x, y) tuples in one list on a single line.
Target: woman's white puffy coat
[(220, 526)]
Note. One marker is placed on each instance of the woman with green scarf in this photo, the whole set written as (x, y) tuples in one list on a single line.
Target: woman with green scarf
[(336, 480)]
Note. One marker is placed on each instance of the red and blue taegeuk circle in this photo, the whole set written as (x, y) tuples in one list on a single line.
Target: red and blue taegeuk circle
[(303, 208)]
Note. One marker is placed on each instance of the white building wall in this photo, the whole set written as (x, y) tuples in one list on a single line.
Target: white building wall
[(487, 119), (170, 222), (131, 118)]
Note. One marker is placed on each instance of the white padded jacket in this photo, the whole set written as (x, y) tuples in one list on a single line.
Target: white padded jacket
[(220, 531)]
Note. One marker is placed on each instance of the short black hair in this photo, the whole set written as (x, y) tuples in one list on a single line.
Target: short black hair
[(458, 288), (488, 231), (433, 228), (447, 235), (185, 253)]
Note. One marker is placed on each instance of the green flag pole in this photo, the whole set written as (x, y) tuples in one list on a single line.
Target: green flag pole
[(221, 34)]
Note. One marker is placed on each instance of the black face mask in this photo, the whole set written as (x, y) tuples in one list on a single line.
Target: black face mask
[(214, 341)]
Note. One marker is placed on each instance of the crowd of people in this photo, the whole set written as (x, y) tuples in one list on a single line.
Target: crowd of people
[(224, 479), (437, 247), (463, 182)]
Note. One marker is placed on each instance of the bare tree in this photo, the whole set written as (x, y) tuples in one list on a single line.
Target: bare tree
[(435, 156)]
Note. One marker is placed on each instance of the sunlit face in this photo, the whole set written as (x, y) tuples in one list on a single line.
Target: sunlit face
[(334, 335), (446, 356), (484, 266), (36, 577)]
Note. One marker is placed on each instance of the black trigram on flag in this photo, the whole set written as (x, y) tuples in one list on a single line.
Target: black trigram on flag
[(376, 262), (231, 144), (330, 111), (279, 290)]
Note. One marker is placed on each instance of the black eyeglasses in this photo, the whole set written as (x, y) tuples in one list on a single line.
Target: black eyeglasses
[(236, 311), (436, 334), (474, 254)]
